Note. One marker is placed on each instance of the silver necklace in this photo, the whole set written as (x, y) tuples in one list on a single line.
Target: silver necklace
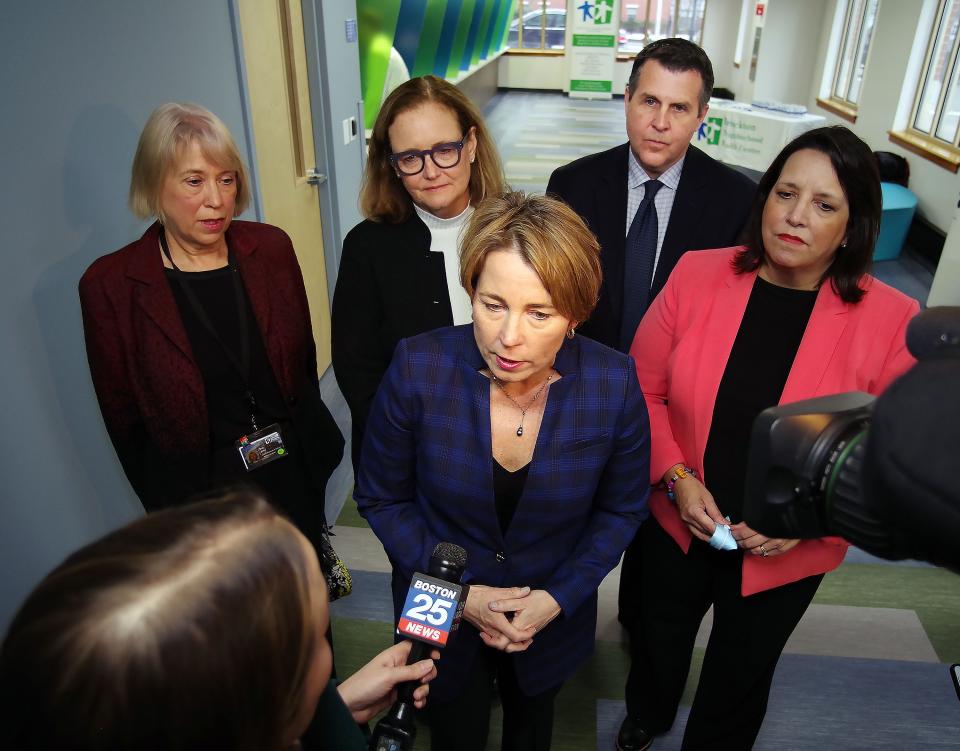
[(523, 410)]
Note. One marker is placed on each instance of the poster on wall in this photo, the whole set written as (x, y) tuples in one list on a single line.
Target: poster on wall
[(593, 47)]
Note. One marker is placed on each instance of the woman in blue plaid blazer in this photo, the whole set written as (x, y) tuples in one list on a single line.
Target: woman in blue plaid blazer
[(524, 444)]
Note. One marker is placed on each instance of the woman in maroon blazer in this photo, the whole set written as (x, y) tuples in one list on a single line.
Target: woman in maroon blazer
[(791, 315), (198, 334)]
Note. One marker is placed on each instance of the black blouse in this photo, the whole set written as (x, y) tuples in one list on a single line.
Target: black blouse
[(753, 380), (507, 489), (227, 405), (287, 482)]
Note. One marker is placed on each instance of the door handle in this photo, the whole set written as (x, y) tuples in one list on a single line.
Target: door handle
[(314, 177)]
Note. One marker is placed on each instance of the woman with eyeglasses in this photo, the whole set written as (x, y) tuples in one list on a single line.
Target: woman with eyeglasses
[(430, 161)]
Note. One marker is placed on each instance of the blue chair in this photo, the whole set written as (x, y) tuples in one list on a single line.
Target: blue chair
[(899, 204)]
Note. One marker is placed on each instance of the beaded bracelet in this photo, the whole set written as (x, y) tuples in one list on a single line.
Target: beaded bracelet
[(678, 475)]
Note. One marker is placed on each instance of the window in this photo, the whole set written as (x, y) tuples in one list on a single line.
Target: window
[(845, 75), (538, 25), (937, 108), (645, 21), (857, 33), (933, 127)]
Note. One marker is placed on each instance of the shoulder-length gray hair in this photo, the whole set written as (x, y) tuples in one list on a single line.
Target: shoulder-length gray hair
[(170, 128)]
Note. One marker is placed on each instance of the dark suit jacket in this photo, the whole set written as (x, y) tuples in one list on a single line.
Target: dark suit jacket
[(426, 477), (390, 286), (709, 211), (150, 389)]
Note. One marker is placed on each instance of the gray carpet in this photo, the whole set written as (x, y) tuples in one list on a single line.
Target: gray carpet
[(838, 703)]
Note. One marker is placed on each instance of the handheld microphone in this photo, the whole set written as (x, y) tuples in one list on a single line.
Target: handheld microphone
[(430, 616)]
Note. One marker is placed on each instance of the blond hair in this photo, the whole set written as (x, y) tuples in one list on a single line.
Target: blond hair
[(550, 237), (382, 195), (191, 628), (170, 128)]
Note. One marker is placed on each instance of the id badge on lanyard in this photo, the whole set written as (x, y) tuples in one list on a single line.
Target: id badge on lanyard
[(261, 447)]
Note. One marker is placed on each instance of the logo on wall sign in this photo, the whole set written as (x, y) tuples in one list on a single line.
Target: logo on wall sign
[(709, 130), (599, 11)]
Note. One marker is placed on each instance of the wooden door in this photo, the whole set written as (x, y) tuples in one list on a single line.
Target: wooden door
[(276, 67)]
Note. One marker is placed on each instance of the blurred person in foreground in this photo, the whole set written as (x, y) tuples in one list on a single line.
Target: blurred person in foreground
[(196, 628)]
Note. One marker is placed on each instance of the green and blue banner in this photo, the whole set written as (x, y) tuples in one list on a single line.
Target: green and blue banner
[(442, 37)]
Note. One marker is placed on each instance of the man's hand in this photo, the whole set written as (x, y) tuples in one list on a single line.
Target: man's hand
[(373, 687)]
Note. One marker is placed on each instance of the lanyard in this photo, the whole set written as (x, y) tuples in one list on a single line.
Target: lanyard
[(240, 364)]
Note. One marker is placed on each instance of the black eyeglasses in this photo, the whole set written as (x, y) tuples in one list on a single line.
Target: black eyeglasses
[(444, 155)]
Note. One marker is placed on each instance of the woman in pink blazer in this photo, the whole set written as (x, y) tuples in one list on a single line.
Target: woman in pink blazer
[(788, 316)]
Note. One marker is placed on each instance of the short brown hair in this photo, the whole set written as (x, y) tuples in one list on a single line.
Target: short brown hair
[(170, 128), (678, 56), (189, 629), (550, 237), (382, 195)]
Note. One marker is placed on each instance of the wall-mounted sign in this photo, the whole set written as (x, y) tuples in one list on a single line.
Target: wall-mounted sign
[(593, 49)]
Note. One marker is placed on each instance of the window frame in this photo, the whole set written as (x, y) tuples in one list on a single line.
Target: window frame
[(929, 145), (948, 79), (674, 16), (544, 10), (836, 98)]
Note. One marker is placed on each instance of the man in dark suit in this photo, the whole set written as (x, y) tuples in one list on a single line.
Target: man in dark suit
[(703, 203), (696, 203)]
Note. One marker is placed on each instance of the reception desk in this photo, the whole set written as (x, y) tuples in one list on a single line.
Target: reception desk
[(748, 136)]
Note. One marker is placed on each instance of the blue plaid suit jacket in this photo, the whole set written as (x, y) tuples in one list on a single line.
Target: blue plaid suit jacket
[(426, 477)]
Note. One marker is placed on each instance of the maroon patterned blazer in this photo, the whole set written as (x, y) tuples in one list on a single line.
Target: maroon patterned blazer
[(150, 389)]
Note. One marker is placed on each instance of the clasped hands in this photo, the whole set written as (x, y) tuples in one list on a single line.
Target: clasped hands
[(508, 617), (700, 513)]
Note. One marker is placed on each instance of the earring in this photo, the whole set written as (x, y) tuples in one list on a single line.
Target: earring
[(571, 332)]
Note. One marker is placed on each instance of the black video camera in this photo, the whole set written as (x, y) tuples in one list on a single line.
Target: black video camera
[(881, 473)]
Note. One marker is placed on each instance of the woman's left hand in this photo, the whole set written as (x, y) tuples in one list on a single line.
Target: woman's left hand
[(754, 543), (531, 614), (373, 687)]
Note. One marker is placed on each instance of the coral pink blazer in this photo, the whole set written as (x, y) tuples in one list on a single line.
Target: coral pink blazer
[(681, 350)]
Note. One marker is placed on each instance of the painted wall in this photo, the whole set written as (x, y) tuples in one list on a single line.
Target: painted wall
[(546, 72), (788, 50), (720, 22), (549, 73), (79, 80)]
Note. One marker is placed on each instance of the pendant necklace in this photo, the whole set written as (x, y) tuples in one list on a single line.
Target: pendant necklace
[(523, 410)]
